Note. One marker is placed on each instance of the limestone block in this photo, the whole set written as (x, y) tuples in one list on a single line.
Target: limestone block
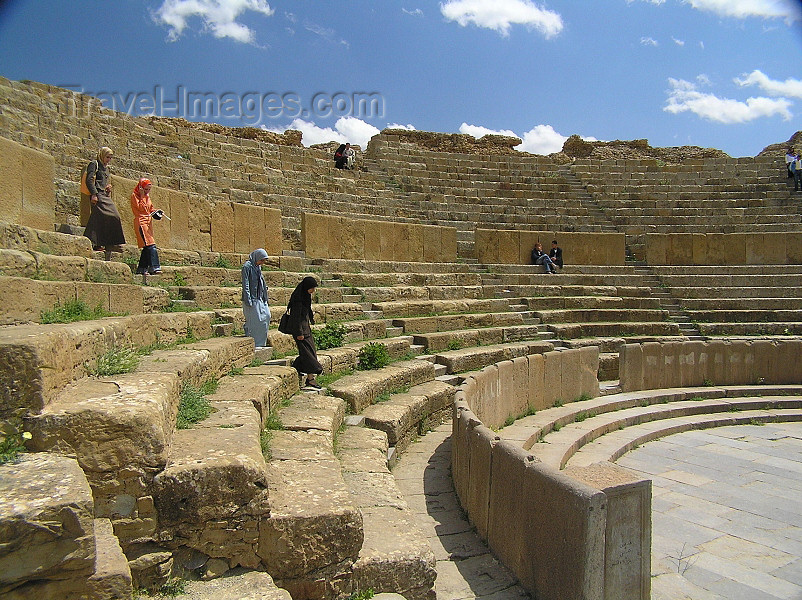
[(699, 249), (352, 236), (387, 232), (681, 248), (630, 369), (552, 378), (222, 227), (485, 246), (372, 241), (313, 413), (793, 248), (121, 190), (628, 529), (27, 189), (481, 442), (396, 556), (536, 509), (589, 371), (53, 242), (508, 247), (658, 249), (653, 366), (273, 239), (17, 263), (537, 381), (244, 215), (571, 375), (526, 241), (120, 422), (101, 271), (462, 420), (60, 268), (151, 566), (112, 575), (505, 402), (216, 471), (46, 521), (24, 299), (251, 584), (448, 244), (718, 249), (313, 524), (400, 241), (417, 242), (334, 236)]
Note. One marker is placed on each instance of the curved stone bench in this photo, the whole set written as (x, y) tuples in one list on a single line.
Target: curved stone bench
[(610, 329), (361, 389), (458, 321), (441, 341), (398, 293), (617, 443), (415, 308)]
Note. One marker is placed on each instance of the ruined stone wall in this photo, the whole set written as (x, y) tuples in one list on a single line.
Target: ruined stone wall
[(656, 365), (776, 248), (514, 247)]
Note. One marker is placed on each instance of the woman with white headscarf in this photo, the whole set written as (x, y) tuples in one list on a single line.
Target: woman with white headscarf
[(254, 298)]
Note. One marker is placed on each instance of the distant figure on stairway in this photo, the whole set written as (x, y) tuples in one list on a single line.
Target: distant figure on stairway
[(103, 226), (301, 321), (144, 213), (556, 254), (790, 159), (254, 298), (344, 157), (541, 258)]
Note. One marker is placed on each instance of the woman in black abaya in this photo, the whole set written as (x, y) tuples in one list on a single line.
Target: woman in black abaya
[(301, 321)]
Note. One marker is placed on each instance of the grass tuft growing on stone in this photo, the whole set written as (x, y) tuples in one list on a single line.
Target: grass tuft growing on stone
[(330, 336), (72, 311), (115, 362), (194, 407), (12, 443), (373, 356)]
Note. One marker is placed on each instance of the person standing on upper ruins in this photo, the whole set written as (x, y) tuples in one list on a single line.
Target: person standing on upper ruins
[(144, 213), (790, 159), (103, 225), (254, 298), (541, 258), (300, 325), (339, 157)]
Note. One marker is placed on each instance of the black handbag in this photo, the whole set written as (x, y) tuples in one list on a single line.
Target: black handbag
[(284, 323)]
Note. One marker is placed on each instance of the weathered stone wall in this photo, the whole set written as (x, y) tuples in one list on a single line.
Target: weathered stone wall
[(776, 248), (461, 143), (586, 534), (26, 185), (338, 237), (515, 247), (656, 365), (576, 147)]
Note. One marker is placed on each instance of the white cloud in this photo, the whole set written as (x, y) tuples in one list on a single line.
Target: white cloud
[(744, 9), (346, 129), (789, 87), (685, 97), (647, 41), (541, 139), (500, 15), (678, 42), (478, 131), (218, 16), (407, 127), (415, 12)]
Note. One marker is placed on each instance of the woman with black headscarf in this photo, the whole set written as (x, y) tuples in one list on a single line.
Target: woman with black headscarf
[(300, 324)]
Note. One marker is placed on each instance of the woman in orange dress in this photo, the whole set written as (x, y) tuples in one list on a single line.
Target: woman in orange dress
[(144, 213)]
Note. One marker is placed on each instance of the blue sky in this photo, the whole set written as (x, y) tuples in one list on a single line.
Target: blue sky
[(713, 73)]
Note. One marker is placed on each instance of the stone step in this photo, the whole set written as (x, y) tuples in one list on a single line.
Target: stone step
[(590, 301), (566, 428), (120, 428), (473, 359), (612, 446), (361, 389), (395, 556), (43, 492), (585, 315), (315, 531), (462, 338), (584, 330), (750, 329), (408, 414), (441, 323), (215, 474), (416, 308), (238, 585)]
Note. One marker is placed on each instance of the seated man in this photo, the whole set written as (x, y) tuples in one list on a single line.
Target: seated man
[(541, 258), (556, 254)]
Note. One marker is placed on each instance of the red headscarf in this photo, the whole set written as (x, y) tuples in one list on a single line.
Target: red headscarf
[(139, 190)]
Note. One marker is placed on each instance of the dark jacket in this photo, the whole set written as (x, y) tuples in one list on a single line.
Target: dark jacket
[(97, 177), (556, 256)]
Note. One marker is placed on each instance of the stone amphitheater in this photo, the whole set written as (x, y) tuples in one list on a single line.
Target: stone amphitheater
[(479, 463)]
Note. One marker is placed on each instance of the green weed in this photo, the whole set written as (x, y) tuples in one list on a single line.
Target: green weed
[(373, 356), (193, 407), (223, 263), (330, 336), (116, 361), (13, 438), (72, 311)]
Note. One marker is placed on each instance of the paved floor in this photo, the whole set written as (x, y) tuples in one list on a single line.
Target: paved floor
[(726, 512), (465, 567)]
